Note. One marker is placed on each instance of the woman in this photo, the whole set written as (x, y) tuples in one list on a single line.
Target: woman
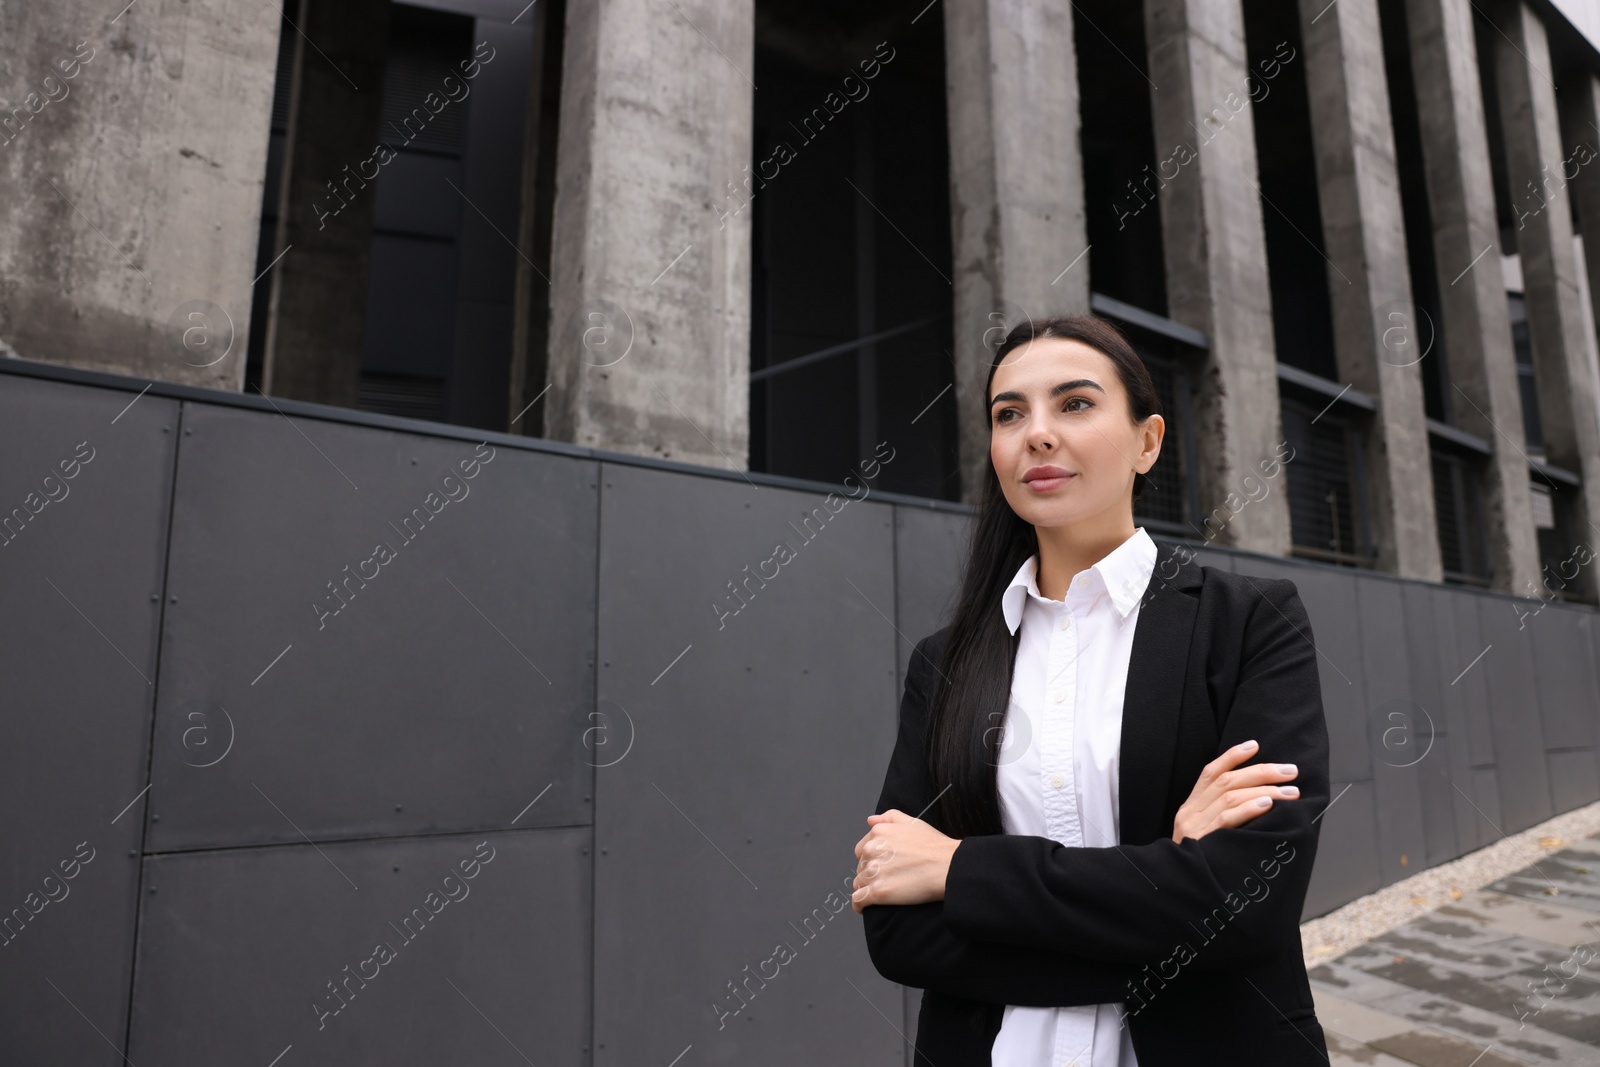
[(1070, 857)]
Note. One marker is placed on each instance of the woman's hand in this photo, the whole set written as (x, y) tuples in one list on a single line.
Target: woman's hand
[(901, 860), (1226, 797)]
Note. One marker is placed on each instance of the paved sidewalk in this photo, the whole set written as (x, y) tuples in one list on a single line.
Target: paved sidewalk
[(1505, 975)]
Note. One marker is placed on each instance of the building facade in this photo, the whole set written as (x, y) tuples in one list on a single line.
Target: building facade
[(1354, 242)]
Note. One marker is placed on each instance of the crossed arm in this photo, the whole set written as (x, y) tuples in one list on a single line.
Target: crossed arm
[(1026, 920)]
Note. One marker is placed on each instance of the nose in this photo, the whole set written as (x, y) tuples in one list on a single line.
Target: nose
[(1041, 437)]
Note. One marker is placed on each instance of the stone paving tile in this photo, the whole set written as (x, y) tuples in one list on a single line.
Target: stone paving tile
[(1457, 946), (1431, 1049), (1363, 1034), (1355, 1020), (1567, 1004), (1570, 877), (1342, 1052), (1524, 1043), (1505, 975), (1543, 919)]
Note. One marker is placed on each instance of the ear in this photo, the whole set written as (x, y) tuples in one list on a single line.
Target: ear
[(1155, 429)]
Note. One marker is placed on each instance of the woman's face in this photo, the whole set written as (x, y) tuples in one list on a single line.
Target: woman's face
[(1062, 442)]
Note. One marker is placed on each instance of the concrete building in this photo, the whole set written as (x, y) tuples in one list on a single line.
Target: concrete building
[(767, 235)]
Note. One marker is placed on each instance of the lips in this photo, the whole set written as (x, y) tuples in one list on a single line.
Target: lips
[(1044, 479)]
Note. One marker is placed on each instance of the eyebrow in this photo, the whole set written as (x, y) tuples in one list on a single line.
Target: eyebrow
[(1064, 387)]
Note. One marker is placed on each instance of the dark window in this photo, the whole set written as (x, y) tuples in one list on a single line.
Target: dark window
[(851, 298), (1426, 321), (1553, 523), (443, 176), (1523, 348), (1326, 483), (1489, 40), (267, 241), (410, 323), (1170, 499), (1291, 208), (1165, 497), (1122, 173), (1458, 506)]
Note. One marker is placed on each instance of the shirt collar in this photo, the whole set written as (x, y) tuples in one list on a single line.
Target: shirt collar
[(1123, 575)]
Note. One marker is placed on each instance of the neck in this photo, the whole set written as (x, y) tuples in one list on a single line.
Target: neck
[(1065, 551)]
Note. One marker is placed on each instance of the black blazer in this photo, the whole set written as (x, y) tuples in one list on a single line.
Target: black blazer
[(1200, 938)]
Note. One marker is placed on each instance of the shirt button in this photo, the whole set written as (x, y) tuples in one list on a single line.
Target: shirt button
[(1065, 621), (1056, 780), (1059, 696)]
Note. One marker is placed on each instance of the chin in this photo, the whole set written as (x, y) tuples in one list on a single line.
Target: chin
[(1057, 517), (1046, 512)]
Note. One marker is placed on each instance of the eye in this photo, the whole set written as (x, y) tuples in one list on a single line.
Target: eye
[(1000, 416), (1085, 401)]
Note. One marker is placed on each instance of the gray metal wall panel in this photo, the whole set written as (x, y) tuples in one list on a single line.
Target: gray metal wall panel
[(1514, 716), (1489, 822), (1453, 614), (1386, 687), (1423, 743), (1565, 677), (1574, 778), (81, 570), (928, 557), (928, 546), (448, 691), (1206, 557), (761, 740), (1469, 681), (1467, 695), (1438, 811), (1329, 596), (1594, 649), (752, 757), (1347, 852), (238, 949)]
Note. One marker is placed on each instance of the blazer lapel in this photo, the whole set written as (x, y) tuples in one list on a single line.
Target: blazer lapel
[(1153, 699)]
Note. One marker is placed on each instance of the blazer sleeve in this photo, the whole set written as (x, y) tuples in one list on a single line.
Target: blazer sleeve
[(1233, 897), (913, 944)]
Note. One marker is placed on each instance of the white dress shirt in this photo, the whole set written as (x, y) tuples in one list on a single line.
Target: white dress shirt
[(1058, 764)]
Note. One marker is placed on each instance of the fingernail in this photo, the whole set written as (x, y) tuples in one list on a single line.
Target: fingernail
[(1247, 746), (1286, 768), (1289, 790), (1263, 802)]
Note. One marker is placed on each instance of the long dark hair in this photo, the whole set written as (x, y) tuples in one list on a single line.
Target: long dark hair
[(973, 691)]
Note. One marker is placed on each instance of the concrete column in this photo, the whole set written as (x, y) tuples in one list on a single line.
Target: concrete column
[(330, 167), (1580, 121), (1535, 158), (1475, 328), (133, 149), (1016, 189), (1216, 256), (650, 290), (1369, 280)]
